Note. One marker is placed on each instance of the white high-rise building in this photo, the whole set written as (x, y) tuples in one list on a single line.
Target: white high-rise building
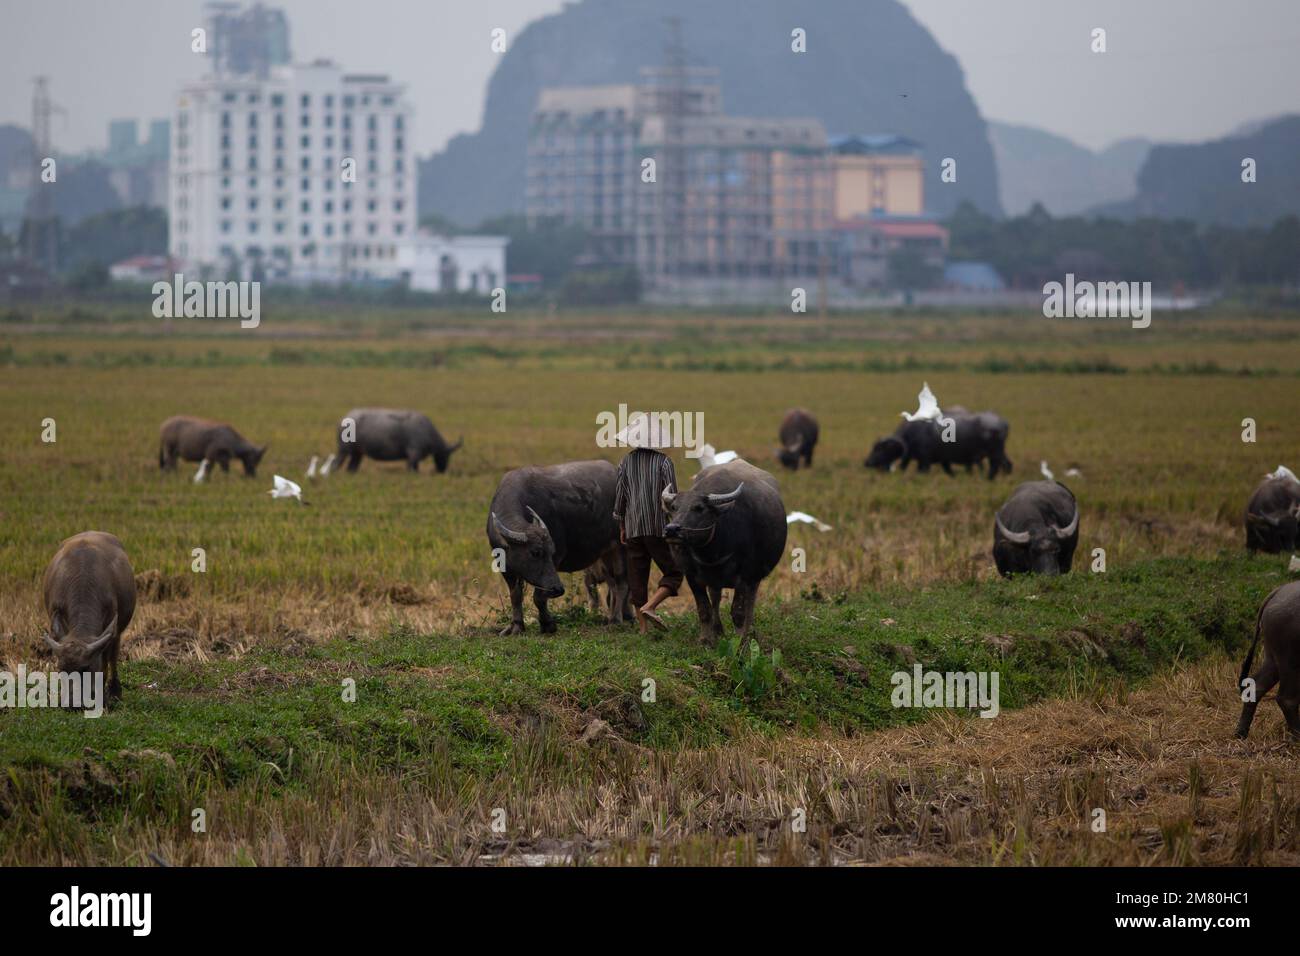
[(261, 185)]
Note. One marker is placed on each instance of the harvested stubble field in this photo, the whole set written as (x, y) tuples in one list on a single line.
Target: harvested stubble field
[(232, 677)]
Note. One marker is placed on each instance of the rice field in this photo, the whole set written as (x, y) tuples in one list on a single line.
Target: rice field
[(387, 576)]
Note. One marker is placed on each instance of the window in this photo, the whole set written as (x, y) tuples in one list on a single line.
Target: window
[(305, 229), (225, 121), (305, 100), (305, 142), (277, 99), (304, 206)]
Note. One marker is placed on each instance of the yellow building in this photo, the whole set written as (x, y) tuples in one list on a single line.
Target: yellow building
[(877, 176)]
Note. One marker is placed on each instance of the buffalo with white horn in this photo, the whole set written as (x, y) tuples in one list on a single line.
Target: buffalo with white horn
[(552, 519), (89, 595), (1037, 530), (728, 531)]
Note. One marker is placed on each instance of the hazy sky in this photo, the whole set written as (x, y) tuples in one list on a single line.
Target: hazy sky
[(1174, 70)]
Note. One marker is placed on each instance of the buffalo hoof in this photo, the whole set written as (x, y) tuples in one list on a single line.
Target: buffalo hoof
[(514, 627), (548, 627)]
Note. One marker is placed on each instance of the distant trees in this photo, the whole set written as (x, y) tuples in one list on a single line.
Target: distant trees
[(1032, 249), (550, 248)]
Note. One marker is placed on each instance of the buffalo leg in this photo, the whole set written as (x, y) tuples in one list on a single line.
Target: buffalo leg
[(715, 608), (621, 604), (544, 618), (709, 630), (739, 598), (114, 685), (1288, 699), (807, 458), (747, 612), (516, 585), (354, 460), (1264, 678), (592, 588)]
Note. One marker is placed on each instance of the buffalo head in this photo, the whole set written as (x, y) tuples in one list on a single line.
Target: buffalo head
[(789, 455), (885, 452), (251, 459), (530, 553), (1278, 532), (693, 515), (1037, 551), (79, 653), (443, 457)]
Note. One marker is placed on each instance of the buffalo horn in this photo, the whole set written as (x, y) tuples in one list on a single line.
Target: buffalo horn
[(729, 496), (517, 536)]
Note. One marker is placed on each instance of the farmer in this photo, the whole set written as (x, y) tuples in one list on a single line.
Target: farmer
[(643, 474)]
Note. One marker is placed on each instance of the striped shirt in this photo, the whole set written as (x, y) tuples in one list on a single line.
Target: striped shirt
[(643, 474)]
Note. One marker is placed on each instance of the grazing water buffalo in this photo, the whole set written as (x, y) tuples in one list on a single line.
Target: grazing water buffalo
[(547, 520), (198, 439), (1278, 623), (393, 434), (1036, 530), (798, 436), (1271, 516), (729, 532), (89, 592), (977, 438)]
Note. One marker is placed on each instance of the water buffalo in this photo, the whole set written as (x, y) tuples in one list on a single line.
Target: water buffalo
[(392, 434), (1278, 622), (976, 438), (1271, 516), (798, 436), (1036, 530), (729, 532), (547, 520), (611, 571), (89, 591), (198, 439)]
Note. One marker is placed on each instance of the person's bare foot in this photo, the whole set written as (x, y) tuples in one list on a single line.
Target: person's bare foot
[(645, 614)]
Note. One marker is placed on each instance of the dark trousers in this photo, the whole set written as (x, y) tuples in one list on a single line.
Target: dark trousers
[(640, 551)]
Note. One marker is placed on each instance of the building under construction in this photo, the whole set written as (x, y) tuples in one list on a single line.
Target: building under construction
[(707, 207)]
